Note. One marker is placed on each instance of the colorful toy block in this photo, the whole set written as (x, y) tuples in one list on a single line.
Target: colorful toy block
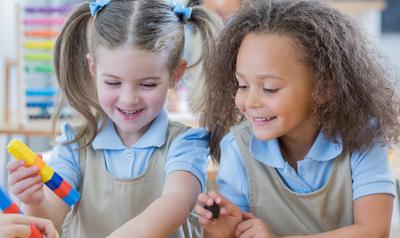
[(10, 207), (53, 181)]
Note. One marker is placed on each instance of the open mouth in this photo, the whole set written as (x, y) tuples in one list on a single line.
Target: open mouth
[(129, 114), (263, 120)]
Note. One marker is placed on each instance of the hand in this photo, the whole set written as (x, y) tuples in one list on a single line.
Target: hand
[(225, 225), (25, 183), (253, 227), (17, 225)]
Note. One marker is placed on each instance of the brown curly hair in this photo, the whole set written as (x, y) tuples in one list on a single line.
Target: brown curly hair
[(360, 106)]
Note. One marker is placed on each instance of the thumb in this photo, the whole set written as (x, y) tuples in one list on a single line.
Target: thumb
[(248, 215)]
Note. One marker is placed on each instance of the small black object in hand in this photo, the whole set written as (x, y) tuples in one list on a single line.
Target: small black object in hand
[(214, 209)]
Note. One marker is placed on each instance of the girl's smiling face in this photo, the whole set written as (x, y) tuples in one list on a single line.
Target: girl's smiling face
[(274, 88), (132, 86)]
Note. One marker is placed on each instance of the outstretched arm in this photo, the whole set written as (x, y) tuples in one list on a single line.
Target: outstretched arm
[(166, 213), (372, 218)]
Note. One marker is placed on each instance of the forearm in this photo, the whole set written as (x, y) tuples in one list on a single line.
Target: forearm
[(211, 235), (372, 218), (166, 213), (354, 231)]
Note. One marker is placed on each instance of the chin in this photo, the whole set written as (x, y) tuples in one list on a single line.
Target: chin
[(263, 136)]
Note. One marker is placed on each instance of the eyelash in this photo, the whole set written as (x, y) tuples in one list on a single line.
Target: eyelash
[(112, 83), (149, 85), (266, 90), (271, 91)]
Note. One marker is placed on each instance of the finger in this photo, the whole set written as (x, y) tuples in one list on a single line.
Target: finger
[(15, 219), (25, 184), (204, 221), (205, 199), (219, 199), (13, 165), (45, 226), (31, 192), (22, 173), (216, 196), (202, 212), (18, 230), (250, 233), (248, 215), (243, 227), (228, 208)]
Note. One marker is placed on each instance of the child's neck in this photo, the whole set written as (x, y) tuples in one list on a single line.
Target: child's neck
[(295, 149), (131, 138)]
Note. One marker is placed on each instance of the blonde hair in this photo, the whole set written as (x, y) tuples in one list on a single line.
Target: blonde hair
[(149, 25)]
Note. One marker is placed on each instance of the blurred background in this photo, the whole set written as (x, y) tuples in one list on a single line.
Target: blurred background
[(28, 87)]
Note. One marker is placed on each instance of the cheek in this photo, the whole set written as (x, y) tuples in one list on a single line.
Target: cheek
[(239, 101), (105, 100), (105, 96), (156, 98)]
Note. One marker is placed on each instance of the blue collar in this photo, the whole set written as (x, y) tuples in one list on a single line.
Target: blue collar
[(323, 149), (108, 138)]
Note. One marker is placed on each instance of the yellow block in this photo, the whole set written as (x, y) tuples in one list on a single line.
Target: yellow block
[(46, 173), (39, 162), (20, 151)]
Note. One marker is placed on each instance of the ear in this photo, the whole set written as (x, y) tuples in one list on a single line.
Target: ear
[(178, 73), (92, 64)]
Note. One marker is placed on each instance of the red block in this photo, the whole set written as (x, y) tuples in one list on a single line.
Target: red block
[(63, 190), (35, 233), (13, 208)]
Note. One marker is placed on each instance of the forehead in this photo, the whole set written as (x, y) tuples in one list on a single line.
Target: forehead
[(130, 60), (222, 7), (216, 4), (261, 53), (271, 43)]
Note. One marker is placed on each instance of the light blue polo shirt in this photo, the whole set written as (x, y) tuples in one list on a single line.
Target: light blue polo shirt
[(187, 152), (370, 170)]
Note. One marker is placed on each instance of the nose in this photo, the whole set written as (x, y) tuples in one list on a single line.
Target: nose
[(219, 3), (253, 99), (129, 96)]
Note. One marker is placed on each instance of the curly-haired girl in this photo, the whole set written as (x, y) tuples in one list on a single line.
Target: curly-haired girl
[(311, 110)]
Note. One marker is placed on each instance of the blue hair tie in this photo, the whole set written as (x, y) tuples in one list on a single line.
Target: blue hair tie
[(181, 10), (96, 6)]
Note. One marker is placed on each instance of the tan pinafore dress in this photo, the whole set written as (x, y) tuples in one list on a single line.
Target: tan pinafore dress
[(290, 213), (107, 202)]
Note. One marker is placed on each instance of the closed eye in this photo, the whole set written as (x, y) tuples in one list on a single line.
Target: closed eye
[(271, 91), (112, 83), (149, 85)]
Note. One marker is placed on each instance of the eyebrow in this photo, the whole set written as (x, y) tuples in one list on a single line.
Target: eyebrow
[(261, 76), (146, 78), (110, 75)]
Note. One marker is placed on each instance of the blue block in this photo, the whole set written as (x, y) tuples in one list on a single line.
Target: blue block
[(54, 182), (72, 198), (5, 202)]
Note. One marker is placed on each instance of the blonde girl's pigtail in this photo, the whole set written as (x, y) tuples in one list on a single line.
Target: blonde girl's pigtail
[(72, 71), (207, 25)]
